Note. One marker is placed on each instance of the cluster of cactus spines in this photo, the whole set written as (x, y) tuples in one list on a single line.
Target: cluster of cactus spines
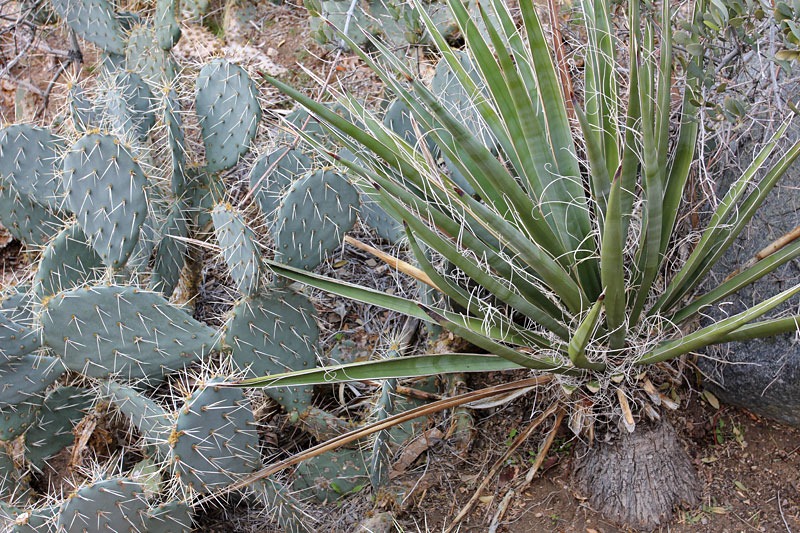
[(108, 330), (18, 335), (67, 261), (93, 20), (144, 56), (275, 332), (227, 105), (273, 172), (129, 105), (313, 216), (105, 188), (115, 504), (239, 248), (61, 411)]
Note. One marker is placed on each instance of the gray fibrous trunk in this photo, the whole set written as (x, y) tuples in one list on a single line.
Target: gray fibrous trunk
[(638, 479)]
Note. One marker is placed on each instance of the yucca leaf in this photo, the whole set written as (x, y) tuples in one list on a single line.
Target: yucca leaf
[(612, 267), (765, 328), (395, 368), (742, 279), (481, 341), (583, 334), (716, 332)]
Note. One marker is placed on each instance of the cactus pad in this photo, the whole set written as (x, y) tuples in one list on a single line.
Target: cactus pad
[(116, 504), (15, 419), (25, 378), (227, 105), (214, 438), (168, 31), (313, 217), (332, 475), (105, 189), (30, 159), (81, 109), (18, 336), (177, 142), (94, 20), (275, 171), (170, 517), (67, 261), (26, 219), (272, 333), (105, 330), (62, 409), (171, 250), (144, 56), (239, 248)]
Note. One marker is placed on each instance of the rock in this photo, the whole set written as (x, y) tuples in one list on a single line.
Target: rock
[(378, 523), (762, 375)]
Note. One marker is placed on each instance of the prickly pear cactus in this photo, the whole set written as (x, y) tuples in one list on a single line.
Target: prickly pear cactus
[(29, 161), (227, 105), (82, 110), (25, 378), (116, 504), (168, 31), (93, 20), (144, 56), (313, 217), (52, 431), (105, 188), (332, 475), (273, 172), (239, 248), (171, 251), (108, 330), (275, 332), (18, 335), (170, 517), (67, 261)]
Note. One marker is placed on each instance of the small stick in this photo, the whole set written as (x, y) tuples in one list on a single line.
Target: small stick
[(397, 264), (518, 440), (548, 443), (773, 247)]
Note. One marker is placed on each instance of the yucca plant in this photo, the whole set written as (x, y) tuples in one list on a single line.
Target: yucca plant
[(562, 229)]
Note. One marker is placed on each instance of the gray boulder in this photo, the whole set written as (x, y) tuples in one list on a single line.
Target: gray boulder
[(762, 375)]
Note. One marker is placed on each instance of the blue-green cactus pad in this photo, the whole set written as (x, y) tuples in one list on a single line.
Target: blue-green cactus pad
[(29, 163), (275, 171), (105, 188), (109, 329), (239, 248), (116, 504), (26, 219), (170, 517), (15, 419), (18, 335), (61, 411), (81, 108), (145, 57), (67, 261), (313, 217), (168, 30), (15, 520), (332, 475), (94, 20), (177, 142), (227, 105), (9, 476), (26, 378), (214, 439), (272, 333), (171, 251), (130, 104)]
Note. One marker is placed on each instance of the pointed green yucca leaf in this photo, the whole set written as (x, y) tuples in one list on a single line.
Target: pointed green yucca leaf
[(729, 219), (612, 268), (583, 335), (742, 279), (765, 328), (395, 368), (716, 332)]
